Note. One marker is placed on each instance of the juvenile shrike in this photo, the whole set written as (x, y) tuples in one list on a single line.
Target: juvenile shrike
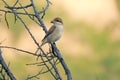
[(55, 32)]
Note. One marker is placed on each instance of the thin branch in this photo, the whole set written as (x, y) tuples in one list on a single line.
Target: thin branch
[(5, 67), (40, 63), (15, 3), (43, 15), (5, 3), (38, 17), (66, 69), (12, 7), (28, 52), (16, 12), (38, 74), (31, 17), (6, 20), (46, 7)]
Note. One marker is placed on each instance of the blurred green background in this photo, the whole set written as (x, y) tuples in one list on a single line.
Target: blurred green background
[(90, 44)]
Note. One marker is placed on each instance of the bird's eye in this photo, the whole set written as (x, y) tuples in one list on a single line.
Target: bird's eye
[(57, 20)]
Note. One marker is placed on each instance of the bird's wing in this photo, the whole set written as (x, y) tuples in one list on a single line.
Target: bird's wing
[(49, 31)]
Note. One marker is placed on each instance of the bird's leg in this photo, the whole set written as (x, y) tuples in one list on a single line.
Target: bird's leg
[(53, 51)]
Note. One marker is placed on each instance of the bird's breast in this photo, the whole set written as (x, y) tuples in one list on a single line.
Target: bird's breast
[(56, 35)]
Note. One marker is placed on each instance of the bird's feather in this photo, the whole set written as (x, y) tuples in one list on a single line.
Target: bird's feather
[(44, 40)]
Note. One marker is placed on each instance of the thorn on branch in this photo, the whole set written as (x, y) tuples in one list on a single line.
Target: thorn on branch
[(15, 18), (6, 19), (43, 15)]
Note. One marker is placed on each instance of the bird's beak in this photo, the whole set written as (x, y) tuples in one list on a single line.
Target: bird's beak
[(52, 21)]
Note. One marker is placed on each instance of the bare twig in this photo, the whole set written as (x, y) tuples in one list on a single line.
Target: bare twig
[(46, 7), (5, 67), (13, 7), (28, 52), (21, 13), (6, 19), (31, 17), (67, 71), (15, 3)]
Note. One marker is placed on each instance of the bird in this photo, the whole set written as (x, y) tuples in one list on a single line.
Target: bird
[(55, 31)]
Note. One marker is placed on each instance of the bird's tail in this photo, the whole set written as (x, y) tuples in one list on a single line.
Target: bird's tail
[(44, 41)]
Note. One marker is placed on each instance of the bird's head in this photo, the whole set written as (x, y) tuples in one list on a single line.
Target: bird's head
[(57, 21)]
